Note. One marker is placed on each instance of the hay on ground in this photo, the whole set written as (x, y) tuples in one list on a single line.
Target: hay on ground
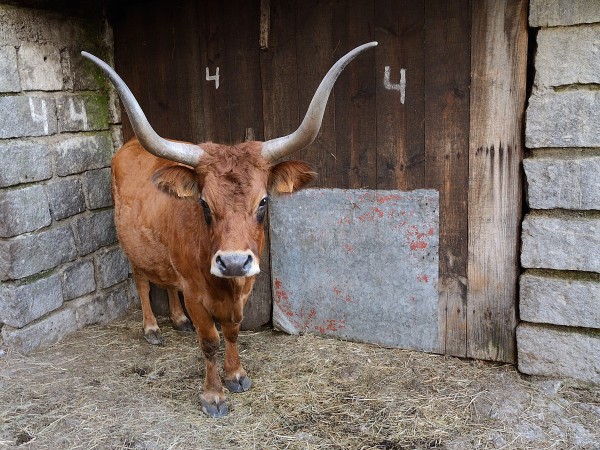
[(106, 388)]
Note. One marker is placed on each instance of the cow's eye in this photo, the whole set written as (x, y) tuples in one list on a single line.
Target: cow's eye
[(206, 209), (260, 214)]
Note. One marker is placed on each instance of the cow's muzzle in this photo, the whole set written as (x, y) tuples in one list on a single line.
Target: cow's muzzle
[(234, 264)]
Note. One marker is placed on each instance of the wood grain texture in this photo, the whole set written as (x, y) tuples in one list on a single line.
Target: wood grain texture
[(498, 55), (279, 72), (399, 29), (447, 79), (315, 55), (355, 112)]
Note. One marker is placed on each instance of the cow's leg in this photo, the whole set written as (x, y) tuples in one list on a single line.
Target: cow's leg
[(151, 330), (178, 317), (212, 398), (236, 379)]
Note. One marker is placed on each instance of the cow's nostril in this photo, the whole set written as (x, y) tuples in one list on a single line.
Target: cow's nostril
[(248, 263), (221, 264)]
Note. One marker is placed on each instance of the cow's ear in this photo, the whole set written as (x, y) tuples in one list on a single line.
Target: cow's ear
[(290, 176), (178, 181)]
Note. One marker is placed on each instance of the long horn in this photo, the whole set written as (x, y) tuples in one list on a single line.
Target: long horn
[(189, 154), (309, 128)]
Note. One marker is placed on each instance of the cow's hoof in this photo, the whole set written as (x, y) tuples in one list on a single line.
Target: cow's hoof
[(184, 325), (214, 408), (237, 386), (154, 337)]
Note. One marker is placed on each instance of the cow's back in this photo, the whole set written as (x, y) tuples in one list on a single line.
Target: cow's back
[(155, 229)]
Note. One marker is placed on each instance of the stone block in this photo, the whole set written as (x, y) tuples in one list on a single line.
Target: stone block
[(79, 153), (572, 300), (41, 333), (72, 316), (97, 188), (22, 303), (112, 267), (555, 352), (78, 279), (117, 136), (9, 74), (114, 106), (23, 116), (23, 210), (565, 183), (550, 13), (565, 242), (568, 56), (39, 67), (78, 73), (328, 273), (102, 308), (563, 119), (66, 198), (94, 231), (24, 162), (29, 254), (82, 112)]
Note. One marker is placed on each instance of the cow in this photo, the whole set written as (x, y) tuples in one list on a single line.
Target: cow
[(190, 218)]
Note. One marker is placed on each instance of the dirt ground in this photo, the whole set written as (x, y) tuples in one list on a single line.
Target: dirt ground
[(106, 388)]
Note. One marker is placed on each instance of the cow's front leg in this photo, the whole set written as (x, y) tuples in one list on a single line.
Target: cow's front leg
[(212, 399), (236, 379)]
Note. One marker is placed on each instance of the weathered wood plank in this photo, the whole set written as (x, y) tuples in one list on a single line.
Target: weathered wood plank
[(279, 72), (314, 50), (399, 29), (447, 79), (355, 114), (211, 19), (164, 77), (280, 117), (498, 55), (240, 74)]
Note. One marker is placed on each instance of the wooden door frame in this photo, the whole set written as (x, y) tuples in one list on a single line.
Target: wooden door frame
[(496, 146), (478, 298)]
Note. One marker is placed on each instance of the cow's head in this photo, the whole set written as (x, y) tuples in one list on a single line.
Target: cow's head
[(231, 183)]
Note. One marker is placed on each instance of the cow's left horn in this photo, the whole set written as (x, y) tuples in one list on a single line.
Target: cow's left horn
[(189, 154), (309, 128)]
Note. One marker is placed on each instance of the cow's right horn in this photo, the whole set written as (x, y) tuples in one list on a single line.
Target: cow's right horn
[(189, 154), (309, 128)]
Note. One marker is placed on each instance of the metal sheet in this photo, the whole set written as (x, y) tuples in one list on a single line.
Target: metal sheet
[(357, 264)]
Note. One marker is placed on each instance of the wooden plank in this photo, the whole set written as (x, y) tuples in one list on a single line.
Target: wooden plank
[(280, 117), (215, 98), (314, 50), (399, 29), (164, 75), (498, 55), (447, 79), (240, 74), (355, 114), (279, 72)]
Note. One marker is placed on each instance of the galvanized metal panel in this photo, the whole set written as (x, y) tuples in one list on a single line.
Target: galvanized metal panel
[(357, 264)]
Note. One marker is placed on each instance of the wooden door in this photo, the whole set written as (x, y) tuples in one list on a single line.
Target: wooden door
[(439, 104)]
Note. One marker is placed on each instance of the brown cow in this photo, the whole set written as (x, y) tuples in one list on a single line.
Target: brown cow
[(190, 218)]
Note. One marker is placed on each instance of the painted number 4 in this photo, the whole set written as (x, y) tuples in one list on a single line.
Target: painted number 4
[(395, 86), (214, 77)]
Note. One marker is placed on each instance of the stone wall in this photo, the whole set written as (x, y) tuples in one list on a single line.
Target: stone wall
[(560, 288), (60, 265)]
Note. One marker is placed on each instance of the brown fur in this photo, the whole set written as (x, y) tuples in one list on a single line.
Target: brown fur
[(162, 229)]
